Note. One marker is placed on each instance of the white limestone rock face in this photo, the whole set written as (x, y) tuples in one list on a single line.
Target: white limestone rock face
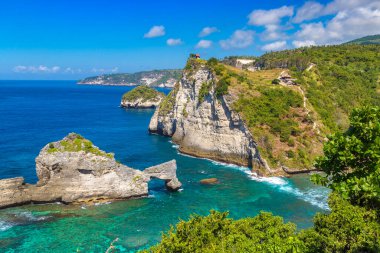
[(141, 103), (88, 175), (206, 126)]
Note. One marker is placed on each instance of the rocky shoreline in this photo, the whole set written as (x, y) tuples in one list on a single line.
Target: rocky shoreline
[(73, 170)]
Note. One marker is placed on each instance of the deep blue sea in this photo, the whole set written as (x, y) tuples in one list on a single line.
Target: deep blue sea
[(34, 113)]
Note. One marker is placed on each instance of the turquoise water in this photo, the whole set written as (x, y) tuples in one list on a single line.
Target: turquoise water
[(33, 113)]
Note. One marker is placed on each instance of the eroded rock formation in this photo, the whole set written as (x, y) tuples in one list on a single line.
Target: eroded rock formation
[(74, 170), (203, 124)]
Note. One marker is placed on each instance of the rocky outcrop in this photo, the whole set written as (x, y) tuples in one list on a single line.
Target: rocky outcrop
[(209, 181), (74, 170), (140, 103), (203, 124), (142, 97)]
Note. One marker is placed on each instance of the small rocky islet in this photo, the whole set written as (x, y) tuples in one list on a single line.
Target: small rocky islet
[(73, 170), (142, 97)]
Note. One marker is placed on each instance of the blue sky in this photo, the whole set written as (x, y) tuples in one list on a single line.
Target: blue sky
[(74, 39)]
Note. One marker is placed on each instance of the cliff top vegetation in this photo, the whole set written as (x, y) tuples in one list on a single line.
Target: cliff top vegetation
[(143, 93)]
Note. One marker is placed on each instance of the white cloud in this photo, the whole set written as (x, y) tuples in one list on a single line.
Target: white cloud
[(20, 69), (104, 70), (71, 70), (308, 11), (312, 10), (272, 32), (155, 31), (342, 5), (207, 31), (345, 25), (174, 42), (36, 69), (303, 43), (204, 44), (278, 45), (269, 17), (239, 39)]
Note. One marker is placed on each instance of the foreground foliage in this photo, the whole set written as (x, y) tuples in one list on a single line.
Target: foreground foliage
[(347, 228), (218, 233), (352, 159)]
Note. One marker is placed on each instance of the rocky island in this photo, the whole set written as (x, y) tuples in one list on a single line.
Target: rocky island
[(155, 78), (73, 170), (142, 97)]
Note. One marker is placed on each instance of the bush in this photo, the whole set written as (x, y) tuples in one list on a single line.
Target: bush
[(351, 160), (222, 87), (347, 228), (218, 233)]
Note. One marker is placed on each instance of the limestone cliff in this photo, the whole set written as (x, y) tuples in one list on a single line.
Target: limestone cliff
[(74, 170), (237, 116), (203, 123)]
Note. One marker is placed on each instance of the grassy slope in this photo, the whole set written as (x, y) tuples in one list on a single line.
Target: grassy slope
[(344, 77), (274, 114), (372, 39)]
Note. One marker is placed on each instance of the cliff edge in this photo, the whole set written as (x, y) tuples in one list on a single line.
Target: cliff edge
[(202, 122)]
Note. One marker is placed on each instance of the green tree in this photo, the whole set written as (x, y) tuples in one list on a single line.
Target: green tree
[(218, 233), (351, 160), (347, 228)]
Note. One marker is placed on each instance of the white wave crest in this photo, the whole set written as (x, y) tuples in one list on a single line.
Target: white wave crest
[(5, 225), (30, 217)]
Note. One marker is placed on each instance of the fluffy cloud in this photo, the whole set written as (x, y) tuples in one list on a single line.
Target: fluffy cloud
[(308, 11), (344, 26), (312, 10), (269, 17), (239, 39), (36, 69), (174, 42), (207, 31), (278, 45), (303, 43), (273, 32), (343, 5), (155, 31), (204, 44)]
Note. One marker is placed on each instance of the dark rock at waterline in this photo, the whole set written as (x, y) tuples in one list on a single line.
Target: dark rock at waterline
[(209, 181)]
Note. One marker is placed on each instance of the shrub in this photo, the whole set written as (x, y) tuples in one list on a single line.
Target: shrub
[(222, 87), (351, 160), (218, 233)]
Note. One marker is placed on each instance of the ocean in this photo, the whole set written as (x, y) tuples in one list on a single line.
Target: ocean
[(34, 113)]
